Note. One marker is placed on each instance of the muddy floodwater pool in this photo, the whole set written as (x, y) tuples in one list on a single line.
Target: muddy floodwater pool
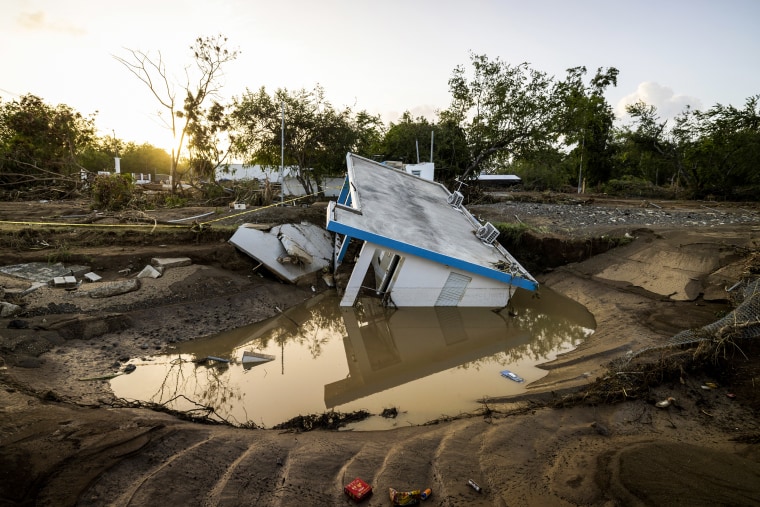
[(422, 363)]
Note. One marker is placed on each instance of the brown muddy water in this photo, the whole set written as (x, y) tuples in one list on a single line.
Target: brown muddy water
[(427, 363)]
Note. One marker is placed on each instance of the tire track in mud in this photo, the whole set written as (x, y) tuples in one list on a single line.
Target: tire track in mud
[(546, 457)]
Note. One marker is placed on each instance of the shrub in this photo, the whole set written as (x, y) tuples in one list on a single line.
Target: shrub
[(112, 192)]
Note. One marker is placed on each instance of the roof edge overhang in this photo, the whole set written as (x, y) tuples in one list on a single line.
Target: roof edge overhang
[(383, 241)]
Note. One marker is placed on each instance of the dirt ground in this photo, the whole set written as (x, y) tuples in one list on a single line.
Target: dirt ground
[(570, 441)]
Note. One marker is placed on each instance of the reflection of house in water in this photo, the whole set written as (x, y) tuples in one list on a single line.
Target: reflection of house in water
[(387, 348), (424, 248)]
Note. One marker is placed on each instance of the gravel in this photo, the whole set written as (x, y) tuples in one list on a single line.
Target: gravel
[(572, 217)]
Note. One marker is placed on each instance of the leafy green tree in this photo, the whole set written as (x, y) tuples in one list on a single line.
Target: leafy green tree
[(42, 144), (409, 136), (316, 136), (407, 141), (726, 148), (647, 149), (506, 111), (184, 107), (546, 169), (99, 155), (210, 143), (586, 121)]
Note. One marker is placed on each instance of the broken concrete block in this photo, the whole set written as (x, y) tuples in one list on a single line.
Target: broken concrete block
[(170, 262), (8, 309), (43, 271), (66, 282), (149, 272), (92, 277)]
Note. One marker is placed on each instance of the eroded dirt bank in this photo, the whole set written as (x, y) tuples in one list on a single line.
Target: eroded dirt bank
[(64, 443)]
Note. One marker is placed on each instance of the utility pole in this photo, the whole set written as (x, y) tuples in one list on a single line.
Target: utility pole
[(282, 156)]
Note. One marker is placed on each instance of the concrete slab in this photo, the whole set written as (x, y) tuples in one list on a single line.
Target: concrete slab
[(279, 249), (65, 282), (149, 272), (170, 262), (92, 277), (43, 272)]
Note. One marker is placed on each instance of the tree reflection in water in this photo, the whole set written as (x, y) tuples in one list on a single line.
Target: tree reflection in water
[(352, 358)]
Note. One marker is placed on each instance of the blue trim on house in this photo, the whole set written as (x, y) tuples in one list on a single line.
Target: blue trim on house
[(345, 194), (445, 260)]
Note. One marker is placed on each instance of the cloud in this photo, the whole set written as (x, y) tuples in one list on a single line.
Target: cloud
[(668, 104), (37, 21)]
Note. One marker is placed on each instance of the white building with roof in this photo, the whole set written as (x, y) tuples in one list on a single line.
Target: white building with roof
[(424, 247)]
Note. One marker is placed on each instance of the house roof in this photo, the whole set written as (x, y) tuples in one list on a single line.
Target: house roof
[(409, 214)]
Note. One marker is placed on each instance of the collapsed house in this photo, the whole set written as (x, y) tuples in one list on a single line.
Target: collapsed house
[(420, 244)]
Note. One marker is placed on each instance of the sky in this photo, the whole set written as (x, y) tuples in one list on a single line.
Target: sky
[(385, 57)]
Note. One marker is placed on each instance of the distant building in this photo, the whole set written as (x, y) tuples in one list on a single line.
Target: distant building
[(291, 185), (424, 170), (499, 180)]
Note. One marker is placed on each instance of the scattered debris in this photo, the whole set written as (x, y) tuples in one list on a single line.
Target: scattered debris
[(290, 251), (254, 358), (404, 497), (357, 489), (92, 277), (389, 413), (474, 485), (66, 282), (43, 272), (512, 376), (149, 272)]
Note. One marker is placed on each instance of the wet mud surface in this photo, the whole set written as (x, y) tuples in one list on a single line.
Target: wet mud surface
[(65, 441)]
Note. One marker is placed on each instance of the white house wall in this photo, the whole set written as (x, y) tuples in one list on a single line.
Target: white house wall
[(419, 282), (292, 187)]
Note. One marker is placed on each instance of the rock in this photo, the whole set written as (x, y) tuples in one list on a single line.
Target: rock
[(8, 309), (18, 324), (162, 263), (109, 289)]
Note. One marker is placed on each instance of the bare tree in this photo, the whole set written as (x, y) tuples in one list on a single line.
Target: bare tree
[(209, 54)]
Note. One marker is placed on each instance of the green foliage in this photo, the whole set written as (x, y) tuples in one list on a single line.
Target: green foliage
[(402, 140), (144, 158), (112, 192), (585, 121), (175, 201), (316, 138), (505, 111), (709, 152), (511, 233), (41, 145), (629, 186)]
